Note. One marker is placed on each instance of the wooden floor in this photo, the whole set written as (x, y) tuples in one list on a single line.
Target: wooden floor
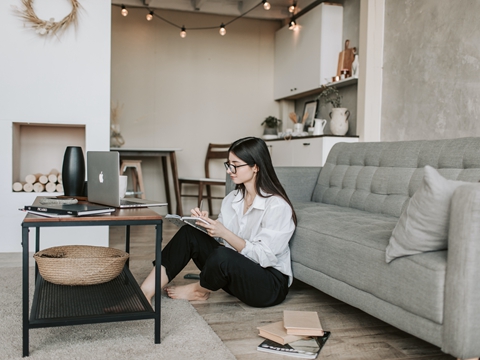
[(355, 334)]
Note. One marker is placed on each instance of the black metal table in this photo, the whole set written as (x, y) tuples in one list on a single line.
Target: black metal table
[(118, 300)]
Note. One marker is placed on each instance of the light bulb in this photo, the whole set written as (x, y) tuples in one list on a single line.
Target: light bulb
[(222, 30), (266, 5), (124, 11), (291, 8), (149, 16), (292, 24), (183, 33)]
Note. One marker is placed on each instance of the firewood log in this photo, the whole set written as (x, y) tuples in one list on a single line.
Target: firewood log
[(53, 175), (59, 188), (32, 178), (51, 187), (38, 187), (43, 179), (18, 186), (28, 187)]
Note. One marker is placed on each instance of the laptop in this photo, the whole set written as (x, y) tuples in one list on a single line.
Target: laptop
[(103, 171)]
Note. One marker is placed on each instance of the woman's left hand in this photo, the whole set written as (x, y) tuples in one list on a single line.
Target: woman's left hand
[(214, 228)]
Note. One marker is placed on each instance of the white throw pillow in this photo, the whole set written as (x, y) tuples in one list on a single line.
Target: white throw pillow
[(423, 225)]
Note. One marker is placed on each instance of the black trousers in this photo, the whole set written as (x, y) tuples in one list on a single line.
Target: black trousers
[(224, 268)]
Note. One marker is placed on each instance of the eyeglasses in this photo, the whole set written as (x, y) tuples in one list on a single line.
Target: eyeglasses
[(232, 168)]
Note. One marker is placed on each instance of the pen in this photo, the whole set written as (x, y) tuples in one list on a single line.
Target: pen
[(201, 206)]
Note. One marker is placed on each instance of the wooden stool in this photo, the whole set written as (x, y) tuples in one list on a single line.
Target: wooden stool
[(137, 177)]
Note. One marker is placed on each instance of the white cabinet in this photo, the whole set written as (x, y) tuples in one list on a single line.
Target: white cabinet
[(304, 151), (307, 57)]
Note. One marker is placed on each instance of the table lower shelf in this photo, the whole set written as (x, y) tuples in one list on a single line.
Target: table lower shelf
[(120, 299)]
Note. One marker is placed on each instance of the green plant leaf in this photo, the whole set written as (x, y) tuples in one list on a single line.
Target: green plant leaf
[(330, 95)]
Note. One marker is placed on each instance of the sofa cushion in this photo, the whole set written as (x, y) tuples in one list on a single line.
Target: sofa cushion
[(349, 245), (381, 177), (423, 225)]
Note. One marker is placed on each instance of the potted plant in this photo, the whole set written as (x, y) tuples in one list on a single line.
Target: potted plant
[(339, 116), (271, 124)]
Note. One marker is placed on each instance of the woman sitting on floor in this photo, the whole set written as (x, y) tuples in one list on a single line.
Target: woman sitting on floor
[(256, 222)]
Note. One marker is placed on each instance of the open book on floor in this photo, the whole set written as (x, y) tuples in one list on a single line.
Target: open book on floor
[(305, 348)]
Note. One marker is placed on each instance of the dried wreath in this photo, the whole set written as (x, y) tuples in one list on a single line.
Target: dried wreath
[(44, 27)]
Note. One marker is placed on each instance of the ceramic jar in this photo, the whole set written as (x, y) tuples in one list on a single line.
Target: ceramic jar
[(339, 121)]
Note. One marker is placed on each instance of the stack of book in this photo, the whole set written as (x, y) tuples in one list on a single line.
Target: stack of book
[(299, 334)]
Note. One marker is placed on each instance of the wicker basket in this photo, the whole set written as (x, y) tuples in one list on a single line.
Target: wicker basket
[(80, 264)]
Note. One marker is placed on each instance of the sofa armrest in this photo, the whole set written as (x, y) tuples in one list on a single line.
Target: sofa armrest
[(462, 290), (298, 182)]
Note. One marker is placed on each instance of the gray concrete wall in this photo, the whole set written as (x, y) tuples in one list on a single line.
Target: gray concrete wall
[(431, 80)]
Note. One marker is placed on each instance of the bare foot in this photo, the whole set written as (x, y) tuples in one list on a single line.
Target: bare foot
[(148, 286), (188, 292)]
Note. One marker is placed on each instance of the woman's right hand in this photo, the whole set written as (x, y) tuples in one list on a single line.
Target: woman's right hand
[(199, 213)]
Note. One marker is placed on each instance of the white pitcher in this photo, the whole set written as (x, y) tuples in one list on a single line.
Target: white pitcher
[(339, 122), (319, 126)]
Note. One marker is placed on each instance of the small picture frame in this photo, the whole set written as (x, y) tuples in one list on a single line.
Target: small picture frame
[(310, 108)]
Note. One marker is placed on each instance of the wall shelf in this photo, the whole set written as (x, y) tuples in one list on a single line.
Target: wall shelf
[(342, 83), (339, 84)]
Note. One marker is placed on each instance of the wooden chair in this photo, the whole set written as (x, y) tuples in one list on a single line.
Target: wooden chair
[(214, 152)]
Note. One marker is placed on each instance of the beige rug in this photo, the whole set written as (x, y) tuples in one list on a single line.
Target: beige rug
[(184, 334)]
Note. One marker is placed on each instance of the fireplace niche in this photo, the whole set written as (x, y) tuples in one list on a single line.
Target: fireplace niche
[(39, 148)]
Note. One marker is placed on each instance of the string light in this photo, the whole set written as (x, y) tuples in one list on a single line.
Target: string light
[(222, 30), (292, 25), (183, 32), (291, 8)]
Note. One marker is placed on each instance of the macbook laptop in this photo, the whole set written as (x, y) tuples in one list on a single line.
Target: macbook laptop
[(103, 171)]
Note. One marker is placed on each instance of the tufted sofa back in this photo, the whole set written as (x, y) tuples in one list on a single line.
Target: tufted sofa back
[(381, 177)]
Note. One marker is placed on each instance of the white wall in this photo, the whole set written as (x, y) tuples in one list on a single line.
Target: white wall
[(189, 92), (63, 79)]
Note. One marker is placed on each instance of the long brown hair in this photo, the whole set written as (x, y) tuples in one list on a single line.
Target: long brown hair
[(254, 151)]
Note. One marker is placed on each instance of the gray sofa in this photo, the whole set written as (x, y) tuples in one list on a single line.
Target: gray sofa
[(346, 213)]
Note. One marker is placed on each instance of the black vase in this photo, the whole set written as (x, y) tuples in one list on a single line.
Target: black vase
[(73, 171)]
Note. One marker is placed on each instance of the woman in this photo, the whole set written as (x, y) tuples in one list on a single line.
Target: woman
[(256, 222)]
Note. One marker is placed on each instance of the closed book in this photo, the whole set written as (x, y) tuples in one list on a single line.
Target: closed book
[(304, 323), (276, 332), (70, 209)]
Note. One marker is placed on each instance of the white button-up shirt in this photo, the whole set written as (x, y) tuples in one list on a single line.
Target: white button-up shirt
[(267, 227)]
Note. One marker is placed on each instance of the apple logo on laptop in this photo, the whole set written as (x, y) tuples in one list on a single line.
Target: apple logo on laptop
[(100, 177)]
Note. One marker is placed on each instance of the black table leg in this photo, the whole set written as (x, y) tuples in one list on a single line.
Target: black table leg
[(127, 244), (37, 248), (25, 292), (167, 184), (158, 262)]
